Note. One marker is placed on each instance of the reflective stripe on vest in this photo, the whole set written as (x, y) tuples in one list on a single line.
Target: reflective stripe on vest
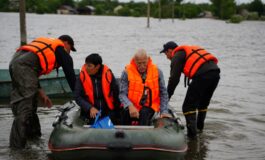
[(195, 57), (44, 48), (89, 88), (136, 85)]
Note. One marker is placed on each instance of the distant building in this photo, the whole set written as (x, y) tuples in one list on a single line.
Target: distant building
[(64, 9), (205, 14), (87, 10)]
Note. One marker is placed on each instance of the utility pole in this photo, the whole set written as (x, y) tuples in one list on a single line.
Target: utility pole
[(159, 9), (22, 17), (148, 14), (173, 10), (183, 10)]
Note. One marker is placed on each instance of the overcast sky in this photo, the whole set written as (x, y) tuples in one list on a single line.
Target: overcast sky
[(194, 1)]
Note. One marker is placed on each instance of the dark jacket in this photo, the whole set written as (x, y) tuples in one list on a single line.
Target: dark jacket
[(65, 60), (177, 66)]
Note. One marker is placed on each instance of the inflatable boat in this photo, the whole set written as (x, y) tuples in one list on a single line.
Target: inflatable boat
[(72, 139)]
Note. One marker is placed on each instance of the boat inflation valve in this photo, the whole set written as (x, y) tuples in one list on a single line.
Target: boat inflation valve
[(119, 134)]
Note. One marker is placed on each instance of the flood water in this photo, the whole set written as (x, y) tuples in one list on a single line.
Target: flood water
[(235, 124)]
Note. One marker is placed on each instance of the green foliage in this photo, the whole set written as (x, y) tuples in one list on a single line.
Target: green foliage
[(46, 6), (53, 5), (4, 7), (224, 9), (104, 7), (83, 3), (253, 16), (236, 18), (190, 10), (68, 2), (166, 11), (125, 11), (257, 6), (41, 8), (99, 9)]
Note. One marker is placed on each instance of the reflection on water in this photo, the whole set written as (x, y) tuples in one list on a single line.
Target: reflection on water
[(198, 148), (234, 127), (34, 152)]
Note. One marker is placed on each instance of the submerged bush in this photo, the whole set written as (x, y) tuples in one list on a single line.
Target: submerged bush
[(236, 18), (253, 16), (262, 18)]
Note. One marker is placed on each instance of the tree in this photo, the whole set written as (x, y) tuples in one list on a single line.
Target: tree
[(191, 10), (4, 5), (125, 11), (257, 6), (224, 9), (53, 5), (68, 2)]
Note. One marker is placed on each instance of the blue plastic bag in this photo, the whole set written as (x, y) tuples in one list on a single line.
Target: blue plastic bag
[(104, 123)]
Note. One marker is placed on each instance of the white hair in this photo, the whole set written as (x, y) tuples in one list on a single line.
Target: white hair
[(140, 53)]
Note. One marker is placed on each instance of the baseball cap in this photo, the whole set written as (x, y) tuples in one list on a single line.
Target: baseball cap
[(69, 40), (168, 45)]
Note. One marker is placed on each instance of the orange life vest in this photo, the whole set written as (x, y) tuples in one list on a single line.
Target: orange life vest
[(195, 57), (89, 89), (44, 48), (137, 87)]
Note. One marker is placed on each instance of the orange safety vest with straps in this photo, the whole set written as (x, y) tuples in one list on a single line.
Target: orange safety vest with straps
[(195, 57), (89, 89), (44, 48), (137, 86)]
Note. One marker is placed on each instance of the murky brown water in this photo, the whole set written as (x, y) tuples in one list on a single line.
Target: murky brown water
[(235, 121)]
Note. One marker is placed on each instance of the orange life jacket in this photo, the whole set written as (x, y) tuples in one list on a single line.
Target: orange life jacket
[(137, 87), (44, 48), (89, 89), (195, 57)]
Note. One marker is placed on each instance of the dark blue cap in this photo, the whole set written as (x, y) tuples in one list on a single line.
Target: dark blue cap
[(168, 45)]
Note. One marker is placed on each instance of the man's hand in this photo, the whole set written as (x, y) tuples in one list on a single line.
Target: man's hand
[(93, 112), (134, 113), (45, 99)]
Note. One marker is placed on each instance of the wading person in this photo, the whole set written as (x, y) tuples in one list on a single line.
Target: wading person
[(142, 90), (97, 90), (199, 66), (30, 61)]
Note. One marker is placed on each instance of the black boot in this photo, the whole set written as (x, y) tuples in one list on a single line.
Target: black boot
[(191, 125), (34, 122), (34, 132), (200, 120)]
